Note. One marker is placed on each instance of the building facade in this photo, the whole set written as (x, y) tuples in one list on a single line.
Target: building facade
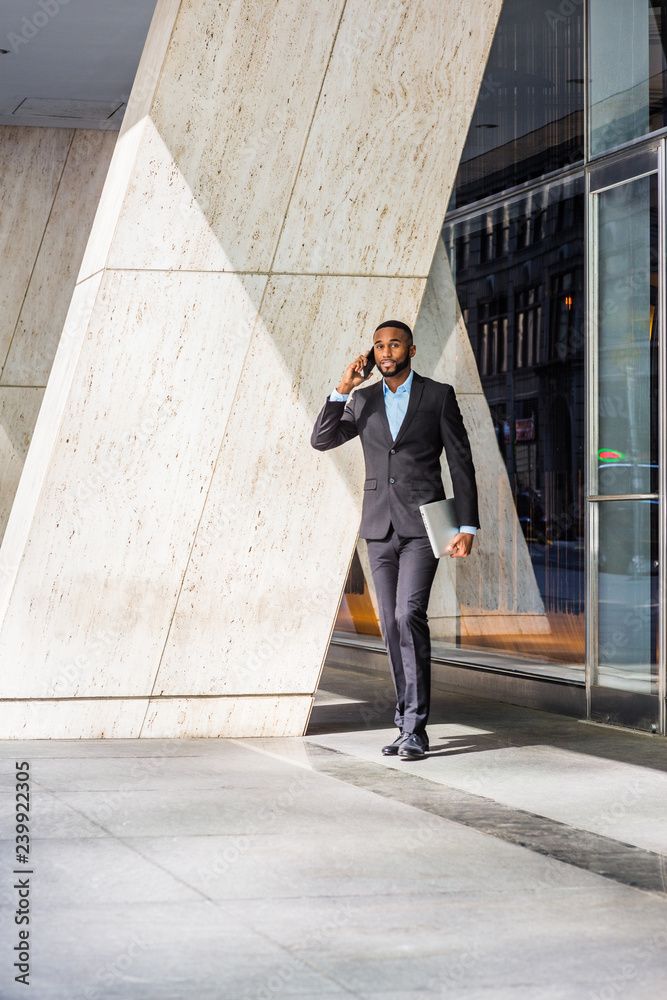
[(493, 173), (555, 240)]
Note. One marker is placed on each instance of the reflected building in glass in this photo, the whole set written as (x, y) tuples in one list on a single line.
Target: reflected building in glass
[(547, 291)]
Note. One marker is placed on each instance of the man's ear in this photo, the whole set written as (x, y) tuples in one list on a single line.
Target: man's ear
[(412, 351)]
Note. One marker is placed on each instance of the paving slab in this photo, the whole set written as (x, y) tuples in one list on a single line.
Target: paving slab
[(314, 868)]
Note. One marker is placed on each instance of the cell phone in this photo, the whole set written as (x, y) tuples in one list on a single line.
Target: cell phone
[(370, 363)]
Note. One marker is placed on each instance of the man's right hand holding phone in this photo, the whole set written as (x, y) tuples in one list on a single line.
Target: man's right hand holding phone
[(354, 374)]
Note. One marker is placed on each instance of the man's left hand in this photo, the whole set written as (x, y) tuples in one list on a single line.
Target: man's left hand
[(460, 545)]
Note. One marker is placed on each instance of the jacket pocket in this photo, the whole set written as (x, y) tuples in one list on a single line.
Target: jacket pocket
[(371, 484)]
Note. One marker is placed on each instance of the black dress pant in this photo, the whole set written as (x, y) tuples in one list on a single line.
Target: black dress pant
[(403, 571)]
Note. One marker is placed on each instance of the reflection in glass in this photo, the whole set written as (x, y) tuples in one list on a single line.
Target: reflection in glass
[(518, 271), (523, 305), (628, 70), (357, 613), (627, 649), (520, 598), (529, 115), (627, 297)]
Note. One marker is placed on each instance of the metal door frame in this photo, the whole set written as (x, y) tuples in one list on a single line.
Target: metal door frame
[(593, 500)]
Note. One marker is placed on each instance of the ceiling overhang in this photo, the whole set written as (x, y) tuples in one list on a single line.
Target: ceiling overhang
[(70, 63)]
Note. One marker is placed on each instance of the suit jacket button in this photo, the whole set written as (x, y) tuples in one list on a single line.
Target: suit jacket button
[(392, 480), (393, 451)]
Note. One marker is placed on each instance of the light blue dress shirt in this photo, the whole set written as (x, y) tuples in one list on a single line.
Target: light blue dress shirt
[(396, 406)]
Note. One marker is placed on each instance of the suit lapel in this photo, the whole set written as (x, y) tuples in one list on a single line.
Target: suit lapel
[(379, 408), (415, 398)]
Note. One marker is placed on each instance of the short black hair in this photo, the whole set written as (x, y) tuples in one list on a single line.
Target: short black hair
[(399, 325)]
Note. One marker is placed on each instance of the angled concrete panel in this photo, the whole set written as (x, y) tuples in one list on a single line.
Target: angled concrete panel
[(214, 550), (214, 173), (387, 137), (127, 478)]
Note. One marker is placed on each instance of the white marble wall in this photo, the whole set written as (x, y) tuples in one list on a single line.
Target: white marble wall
[(277, 189), (50, 185)]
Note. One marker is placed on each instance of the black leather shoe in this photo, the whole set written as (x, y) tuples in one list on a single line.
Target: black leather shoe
[(414, 747), (392, 748)]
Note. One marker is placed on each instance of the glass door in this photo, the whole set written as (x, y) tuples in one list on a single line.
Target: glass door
[(625, 288)]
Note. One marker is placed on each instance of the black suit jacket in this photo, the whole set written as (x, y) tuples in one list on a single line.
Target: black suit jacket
[(405, 473)]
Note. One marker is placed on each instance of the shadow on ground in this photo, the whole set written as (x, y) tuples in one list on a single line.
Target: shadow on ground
[(350, 700)]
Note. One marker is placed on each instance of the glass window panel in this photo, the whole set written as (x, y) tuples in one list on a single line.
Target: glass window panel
[(483, 352), (503, 345), (627, 653), (627, 224), (520, 346), (522, 596), (529, 115), (538, 326), (494, 365), (530, 338), (357, 614), (628, 70)]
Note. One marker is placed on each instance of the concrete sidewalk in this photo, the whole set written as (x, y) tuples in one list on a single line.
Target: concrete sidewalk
[(524, 859)]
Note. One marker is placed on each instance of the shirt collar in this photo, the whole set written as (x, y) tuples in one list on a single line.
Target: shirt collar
[(407, 385)]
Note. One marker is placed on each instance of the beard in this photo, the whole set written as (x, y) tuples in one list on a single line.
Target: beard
[(400, 366)]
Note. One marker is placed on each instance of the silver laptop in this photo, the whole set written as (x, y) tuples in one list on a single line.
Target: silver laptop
[(441, 524)]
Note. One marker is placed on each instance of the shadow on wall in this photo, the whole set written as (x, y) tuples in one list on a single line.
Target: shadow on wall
[(50, 185), (19, 408)]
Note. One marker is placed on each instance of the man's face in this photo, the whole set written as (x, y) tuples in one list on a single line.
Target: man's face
[(393, 351)]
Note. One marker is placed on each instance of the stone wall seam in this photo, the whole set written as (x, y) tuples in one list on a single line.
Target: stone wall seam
[(305, 142)]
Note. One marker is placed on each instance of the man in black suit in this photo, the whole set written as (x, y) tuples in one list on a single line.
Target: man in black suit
[(403, 422)]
